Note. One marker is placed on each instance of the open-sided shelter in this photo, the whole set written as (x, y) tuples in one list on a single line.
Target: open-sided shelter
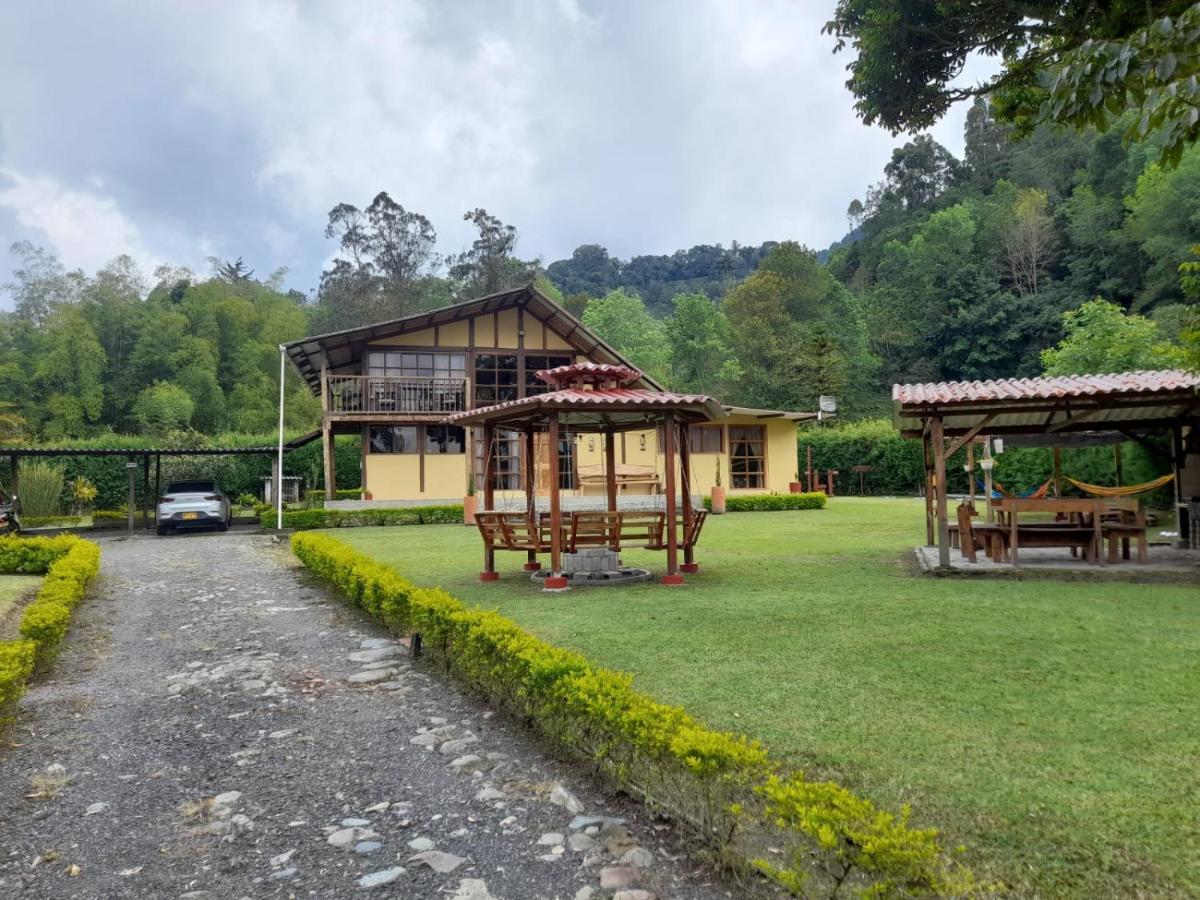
[(949, 415)]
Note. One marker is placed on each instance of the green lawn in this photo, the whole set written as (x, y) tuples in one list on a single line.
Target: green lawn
[(12, 589), (1050, 726)]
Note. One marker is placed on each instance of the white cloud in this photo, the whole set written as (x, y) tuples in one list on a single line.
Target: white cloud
[(85, 228)]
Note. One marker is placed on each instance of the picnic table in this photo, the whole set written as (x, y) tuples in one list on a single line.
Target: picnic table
[(1081, 525)]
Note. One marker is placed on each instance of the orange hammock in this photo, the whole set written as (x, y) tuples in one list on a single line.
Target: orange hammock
[(1000, 491), (1128, 491)]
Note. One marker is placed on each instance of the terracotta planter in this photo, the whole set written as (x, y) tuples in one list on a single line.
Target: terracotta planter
[(469, 505), (718, 499), (796, 487)]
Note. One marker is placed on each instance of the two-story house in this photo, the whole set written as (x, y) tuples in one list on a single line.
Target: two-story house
[(393, 383)]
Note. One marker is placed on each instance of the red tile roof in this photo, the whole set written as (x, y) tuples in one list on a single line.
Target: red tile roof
[(1052, 388), (589, 373), (600, 399)]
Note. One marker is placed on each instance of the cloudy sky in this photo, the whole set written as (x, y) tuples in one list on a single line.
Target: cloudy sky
[(175, 131)]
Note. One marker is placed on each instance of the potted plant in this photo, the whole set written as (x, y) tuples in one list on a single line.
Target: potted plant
[(718, 493), (469, 501), (794, 485)]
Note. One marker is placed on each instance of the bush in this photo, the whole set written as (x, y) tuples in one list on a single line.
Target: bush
[(50, 521), (772, 502), (107, 517), (723, 784), (40, 488), (302, 519), (69, 564)]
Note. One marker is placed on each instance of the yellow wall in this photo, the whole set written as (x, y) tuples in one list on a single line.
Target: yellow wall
[(396, 476), (506, 330), (780, 450), (456, 334)]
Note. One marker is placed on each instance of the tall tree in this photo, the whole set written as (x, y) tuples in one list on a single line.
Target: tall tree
[(489, 266), (1029, 241), (1102, 338), (621, 319), (701, 358), (1074, 62)]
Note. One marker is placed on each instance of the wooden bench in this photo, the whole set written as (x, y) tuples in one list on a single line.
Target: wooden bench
[(581, 530), (511, 531)]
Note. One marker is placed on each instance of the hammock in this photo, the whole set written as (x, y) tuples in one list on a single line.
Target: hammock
[(1128, 491), (1036, 492)]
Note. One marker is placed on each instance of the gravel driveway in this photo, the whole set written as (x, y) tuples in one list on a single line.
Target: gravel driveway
[(219, 726)]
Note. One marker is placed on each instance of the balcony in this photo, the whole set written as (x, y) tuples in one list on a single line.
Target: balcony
[(378, 395)]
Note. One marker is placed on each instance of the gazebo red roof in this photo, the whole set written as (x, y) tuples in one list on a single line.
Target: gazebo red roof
[(582, 405)]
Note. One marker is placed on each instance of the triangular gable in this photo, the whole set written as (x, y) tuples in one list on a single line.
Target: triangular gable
[(343, 349)]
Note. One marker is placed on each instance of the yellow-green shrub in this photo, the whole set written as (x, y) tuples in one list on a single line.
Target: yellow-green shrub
[(724, 784), (69, 564), (16, 664)]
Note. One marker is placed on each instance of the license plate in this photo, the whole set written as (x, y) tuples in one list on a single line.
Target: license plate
[(191, 515)]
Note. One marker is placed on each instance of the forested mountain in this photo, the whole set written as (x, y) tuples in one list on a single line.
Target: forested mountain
[(706, 268), (970, 268)]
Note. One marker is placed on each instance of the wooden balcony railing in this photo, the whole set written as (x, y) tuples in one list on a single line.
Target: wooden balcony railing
[(379, 395)]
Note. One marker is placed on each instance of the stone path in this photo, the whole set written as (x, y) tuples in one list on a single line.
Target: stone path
[(219, 726)]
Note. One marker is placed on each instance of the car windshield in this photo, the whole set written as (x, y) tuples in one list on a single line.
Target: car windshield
[(192, 487)]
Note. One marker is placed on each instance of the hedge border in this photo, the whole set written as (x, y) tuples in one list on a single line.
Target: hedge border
[(772, 502), (69, 564), (725, 786), (303, 519)]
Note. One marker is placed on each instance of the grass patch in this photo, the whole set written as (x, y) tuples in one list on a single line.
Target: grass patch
[(1049, 726), (14, 590)]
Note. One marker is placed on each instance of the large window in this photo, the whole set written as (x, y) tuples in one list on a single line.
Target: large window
[(506, 460), (705, 439), (747, 456), (393, 439), (495, 378), (535, 364), (438, 439), (415, 364), (444, 439)]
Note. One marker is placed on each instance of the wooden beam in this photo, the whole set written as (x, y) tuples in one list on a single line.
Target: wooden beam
[(970, 435), (672, 576), (555, 502), (1073, 420), (939, 473), (489, 497), (685, 488)]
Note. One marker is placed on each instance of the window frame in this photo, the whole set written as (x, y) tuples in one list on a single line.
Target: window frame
[(751, 472)]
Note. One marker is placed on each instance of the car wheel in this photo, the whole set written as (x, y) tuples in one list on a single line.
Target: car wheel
[(222, 526), (163, 530)]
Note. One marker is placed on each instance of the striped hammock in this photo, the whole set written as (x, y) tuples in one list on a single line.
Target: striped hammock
[(1127, 491)]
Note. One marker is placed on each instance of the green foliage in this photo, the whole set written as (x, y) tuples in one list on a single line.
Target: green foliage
[(698, 341), (1065, 61), (69, 564), (715, 780), (83, 492), (772, 502), (163, 407), (621, 319), (349, 518), (16, 665), (40, 488), (1102, 338)]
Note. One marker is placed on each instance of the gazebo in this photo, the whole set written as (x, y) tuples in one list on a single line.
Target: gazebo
[(594, 398)]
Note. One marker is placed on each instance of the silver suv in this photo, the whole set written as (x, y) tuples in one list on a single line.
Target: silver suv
[(193, 504)]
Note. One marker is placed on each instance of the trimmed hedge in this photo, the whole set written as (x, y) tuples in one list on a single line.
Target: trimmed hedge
[(69, 564), (724, 785), (772, 502), (302, 519)]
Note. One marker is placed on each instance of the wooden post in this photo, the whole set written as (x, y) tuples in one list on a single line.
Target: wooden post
[(610, 469), (937, 436), (13, 462), (157, 483), (131, 471), (808, 471), (327, 447), (685, 488), (970, 473), (1117, 462), (489, 572), (672, 576), (555, 581), (1057, 471), (531, 560), (928, 485), (145, 490)]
